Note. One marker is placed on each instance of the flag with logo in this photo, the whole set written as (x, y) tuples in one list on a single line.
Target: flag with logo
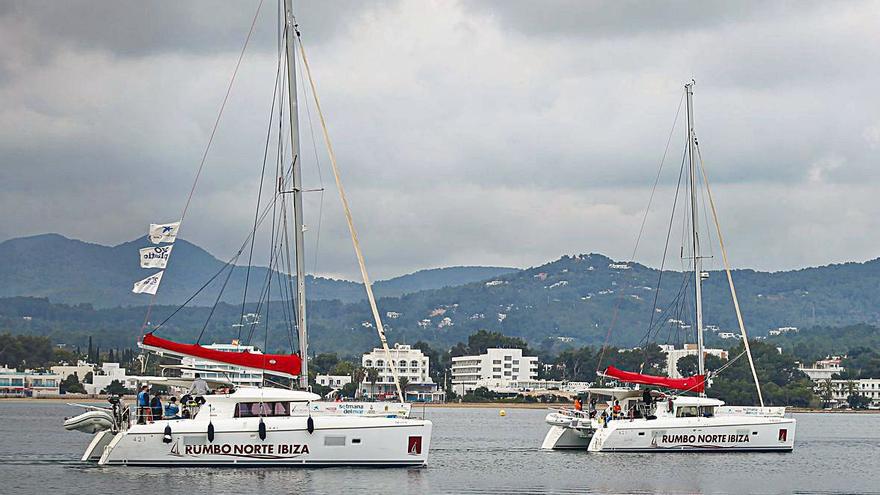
[(156, 256), (163, 232), (148, 285)]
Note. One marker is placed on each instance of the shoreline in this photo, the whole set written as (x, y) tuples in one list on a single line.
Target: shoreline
[(418, 405)]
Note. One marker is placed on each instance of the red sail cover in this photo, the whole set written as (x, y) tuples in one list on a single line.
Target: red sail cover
[(288, 365), (691, 384)]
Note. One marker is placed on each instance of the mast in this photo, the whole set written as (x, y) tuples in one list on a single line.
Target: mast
[(290, 32), (698, 262)]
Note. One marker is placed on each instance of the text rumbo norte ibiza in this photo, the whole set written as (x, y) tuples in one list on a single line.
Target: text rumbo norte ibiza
[(247, 449), (684, 438)]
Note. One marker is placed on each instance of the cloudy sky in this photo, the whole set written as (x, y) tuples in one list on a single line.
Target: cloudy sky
[(479, 132)]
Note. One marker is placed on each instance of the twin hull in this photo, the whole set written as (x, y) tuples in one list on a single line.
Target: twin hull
[(718, 434), (335, 441)]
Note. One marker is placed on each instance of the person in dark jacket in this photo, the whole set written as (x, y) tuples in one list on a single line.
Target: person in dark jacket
[(156, 406)]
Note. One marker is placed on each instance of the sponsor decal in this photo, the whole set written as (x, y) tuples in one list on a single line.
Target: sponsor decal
[(267, 451), (414, 445), (705, 438)]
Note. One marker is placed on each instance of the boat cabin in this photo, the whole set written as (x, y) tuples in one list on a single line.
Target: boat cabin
[(633, 405)]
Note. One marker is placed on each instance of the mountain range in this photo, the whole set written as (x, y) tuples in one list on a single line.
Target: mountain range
[(584, 299), (72, 271)]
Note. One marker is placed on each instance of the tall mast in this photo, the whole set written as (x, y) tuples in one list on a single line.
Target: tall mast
[(290, 33), (698, 262)]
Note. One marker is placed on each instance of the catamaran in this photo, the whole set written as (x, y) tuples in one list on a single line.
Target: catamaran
[(652, 421), (267, 425)]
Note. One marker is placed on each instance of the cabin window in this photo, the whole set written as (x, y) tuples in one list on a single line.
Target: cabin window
[(334, 441), (707, 411), (261, 409), (686, 412)]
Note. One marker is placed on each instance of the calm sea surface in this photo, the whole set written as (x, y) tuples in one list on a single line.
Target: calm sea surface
[(473, 451)]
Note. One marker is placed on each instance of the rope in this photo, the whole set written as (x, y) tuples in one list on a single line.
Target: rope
[(247, 277), (208, 148), (348, 218), (639, 236), (739, 318)]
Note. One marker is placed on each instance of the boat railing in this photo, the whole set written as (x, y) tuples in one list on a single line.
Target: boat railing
[(570, 411)]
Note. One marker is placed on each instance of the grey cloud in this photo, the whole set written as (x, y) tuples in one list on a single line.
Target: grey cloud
[(616, 19), (138, 28), (462, 138)]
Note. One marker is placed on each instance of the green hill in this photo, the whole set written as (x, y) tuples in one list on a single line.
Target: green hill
[(72, 271), (575, 300)]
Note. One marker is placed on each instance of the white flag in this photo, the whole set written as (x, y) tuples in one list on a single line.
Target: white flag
[(148, 285), (155, 257), (163, 232)]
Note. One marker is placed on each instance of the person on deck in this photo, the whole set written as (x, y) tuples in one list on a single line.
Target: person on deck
[(156, 406), (199, 386), (616, 410), (143, 405), (171, 409), (578, 406)]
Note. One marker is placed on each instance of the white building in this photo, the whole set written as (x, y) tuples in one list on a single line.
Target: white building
[(783, 330), (673, 355), (842, 389), (105, 375), (497, 369), (333, 381), (80, 370), (824, 369), (28, 383), (410, 363), (227, 373), (727, 335)]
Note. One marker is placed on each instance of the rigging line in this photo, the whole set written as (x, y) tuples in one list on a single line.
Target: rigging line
[(196, 293), (285, 291), (641, 230), (208, 147), (665, 252), (739, 318), (317, 168), (290, 314), (233, 259), (261, 300), (275, 91), (657, 178), (728, 364), (216, 302), (350, 221), (289, 287), (273, 257), (222, 107)]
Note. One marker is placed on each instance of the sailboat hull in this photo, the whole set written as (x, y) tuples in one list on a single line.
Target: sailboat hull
[(335, 441), (716, 434)]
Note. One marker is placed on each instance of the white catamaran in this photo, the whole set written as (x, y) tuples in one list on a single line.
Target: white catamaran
[(265, 425), (652, 421)]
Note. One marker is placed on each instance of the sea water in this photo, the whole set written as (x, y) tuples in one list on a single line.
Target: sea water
[(473, 450)]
